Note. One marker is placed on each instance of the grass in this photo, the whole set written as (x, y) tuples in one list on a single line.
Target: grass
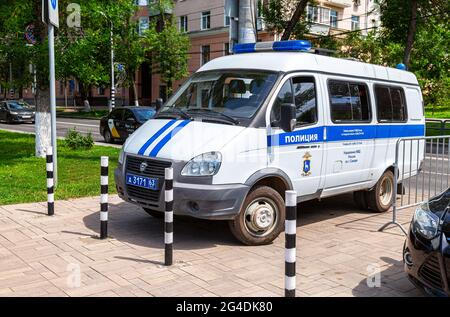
[(440, 112), (23, 176), (96, 114)]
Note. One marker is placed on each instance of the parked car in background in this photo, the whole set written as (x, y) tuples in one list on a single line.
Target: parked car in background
[(122, 122), (13, 111), (426, 253)]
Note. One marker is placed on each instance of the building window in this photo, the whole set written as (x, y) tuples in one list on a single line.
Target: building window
[(324, 15), (227, 19), (183, 23), (206, 54), (349, 102), (312, 13), (101, 91), (226, 48), (206, 20), (143, 25), (333, 18), (355, 22)]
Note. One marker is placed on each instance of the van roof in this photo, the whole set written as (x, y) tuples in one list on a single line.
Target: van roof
[(302, 61)]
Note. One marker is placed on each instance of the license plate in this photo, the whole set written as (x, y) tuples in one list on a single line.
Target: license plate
[(26, 117), (141, 181)]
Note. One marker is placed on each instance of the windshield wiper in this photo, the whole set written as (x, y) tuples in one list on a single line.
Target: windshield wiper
[(227, 117), (177, 111)]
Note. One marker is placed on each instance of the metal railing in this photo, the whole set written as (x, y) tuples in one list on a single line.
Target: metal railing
[(421, 171), (440, 126)]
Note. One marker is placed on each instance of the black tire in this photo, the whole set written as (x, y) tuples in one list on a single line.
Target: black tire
[(360, 198), (107, 136), (154, 213), (376, 199), (242, 226)]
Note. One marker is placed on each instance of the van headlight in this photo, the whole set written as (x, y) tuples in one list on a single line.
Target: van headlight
[(425, 222), (206, 164), (121, 156)]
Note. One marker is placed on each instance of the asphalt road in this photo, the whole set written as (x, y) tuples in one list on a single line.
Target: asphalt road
[(84, 126)]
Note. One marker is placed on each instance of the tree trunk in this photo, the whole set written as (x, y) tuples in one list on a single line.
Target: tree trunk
[(411, 34), (84, 97), (43, 122), (301, 6), (135, 92)]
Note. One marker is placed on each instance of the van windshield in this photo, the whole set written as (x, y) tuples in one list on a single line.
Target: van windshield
[(224, 95)]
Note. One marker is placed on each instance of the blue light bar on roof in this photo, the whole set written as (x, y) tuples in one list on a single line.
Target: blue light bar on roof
[(279, 46)]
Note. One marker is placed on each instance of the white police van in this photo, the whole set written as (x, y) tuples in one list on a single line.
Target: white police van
[(270, 118)]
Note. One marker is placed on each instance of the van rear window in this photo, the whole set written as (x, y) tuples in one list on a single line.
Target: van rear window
[(349, 102), (391, 104)]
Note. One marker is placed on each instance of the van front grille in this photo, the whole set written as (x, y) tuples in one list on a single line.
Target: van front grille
[(430, 272), (154, 168)]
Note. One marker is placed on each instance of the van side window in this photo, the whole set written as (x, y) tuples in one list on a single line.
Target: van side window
[(284, 96), (349, 102), (391, 104), (305, 100)]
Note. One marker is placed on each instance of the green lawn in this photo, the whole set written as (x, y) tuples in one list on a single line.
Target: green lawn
[(97, 114), (23, 176), (438, 113)]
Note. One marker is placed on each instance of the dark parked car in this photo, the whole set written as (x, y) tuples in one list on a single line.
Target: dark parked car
[(13, 111), (427, 249), (122, 122)]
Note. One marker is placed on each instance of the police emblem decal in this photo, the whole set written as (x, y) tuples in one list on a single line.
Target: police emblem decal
[(306, 164)]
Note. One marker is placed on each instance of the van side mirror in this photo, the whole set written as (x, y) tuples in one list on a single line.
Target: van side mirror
[(288, 117), (159, 103)]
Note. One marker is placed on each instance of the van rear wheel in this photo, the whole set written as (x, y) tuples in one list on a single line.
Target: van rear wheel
[(261, 218), (380, 198)]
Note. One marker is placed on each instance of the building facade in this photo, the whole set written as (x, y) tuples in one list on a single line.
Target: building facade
[(207, 25)]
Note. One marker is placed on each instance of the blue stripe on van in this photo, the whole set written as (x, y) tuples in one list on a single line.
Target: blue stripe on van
[(155, 136), (346, 133), (168, 137)]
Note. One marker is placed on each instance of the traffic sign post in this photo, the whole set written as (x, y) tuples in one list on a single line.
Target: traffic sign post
[(50, 16)]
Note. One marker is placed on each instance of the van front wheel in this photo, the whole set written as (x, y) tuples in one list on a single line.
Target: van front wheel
[(381, 197), (261, 218)]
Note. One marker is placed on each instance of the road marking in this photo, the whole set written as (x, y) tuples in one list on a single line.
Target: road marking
[(78, 124)]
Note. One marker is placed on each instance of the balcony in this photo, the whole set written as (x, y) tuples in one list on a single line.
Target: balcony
[(341, 3)]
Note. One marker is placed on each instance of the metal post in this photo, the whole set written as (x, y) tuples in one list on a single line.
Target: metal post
[(104, 197), (290, 243), (246, 25), (51, 50), (50, 183), (394, 200), (113, 84), (168, 217)]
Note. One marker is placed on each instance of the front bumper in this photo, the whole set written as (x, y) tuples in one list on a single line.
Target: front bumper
[(19, 118), (430, 267), (205, 201)]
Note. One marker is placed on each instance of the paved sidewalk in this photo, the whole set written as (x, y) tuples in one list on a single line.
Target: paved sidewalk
[(338, 246)]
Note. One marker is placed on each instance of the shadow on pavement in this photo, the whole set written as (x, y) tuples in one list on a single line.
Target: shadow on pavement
[(130, 224), (393, 282)]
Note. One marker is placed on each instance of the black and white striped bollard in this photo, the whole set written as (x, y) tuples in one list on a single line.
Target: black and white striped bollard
[(168, 217), (50, 183), (290, 244), (104, 197)]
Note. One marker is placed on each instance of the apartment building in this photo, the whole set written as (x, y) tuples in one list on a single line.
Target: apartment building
[(207, 25)]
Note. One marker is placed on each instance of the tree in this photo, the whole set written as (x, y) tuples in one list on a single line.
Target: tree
[(168, 45), (285, 17)]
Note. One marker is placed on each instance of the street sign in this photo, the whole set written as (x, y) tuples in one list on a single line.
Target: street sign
[(50, 12), (30, 37)]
